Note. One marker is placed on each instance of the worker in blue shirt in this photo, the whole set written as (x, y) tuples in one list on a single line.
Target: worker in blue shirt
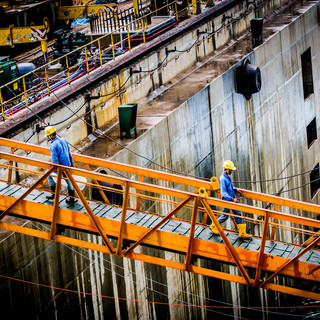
[(228, 193), (60, 154)]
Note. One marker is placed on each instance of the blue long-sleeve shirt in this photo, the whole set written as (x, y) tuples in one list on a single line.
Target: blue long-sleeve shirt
[(226, 188), (60, 152)]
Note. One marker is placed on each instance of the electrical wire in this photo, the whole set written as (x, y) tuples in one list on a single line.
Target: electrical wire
[(298, 187), (118, 90), (277, 179), (163, 167), (226, 305), (181, 173), (74, 113), (153, 69), (134, 281), (167, 303), (139, 155)]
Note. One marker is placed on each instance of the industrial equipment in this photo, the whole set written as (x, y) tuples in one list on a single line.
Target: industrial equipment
[(8, 71), (50, 13), (67, 42)]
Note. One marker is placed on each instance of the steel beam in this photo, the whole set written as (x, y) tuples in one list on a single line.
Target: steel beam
[(231, 249), (158, 225), (3, 214), (89, 210)]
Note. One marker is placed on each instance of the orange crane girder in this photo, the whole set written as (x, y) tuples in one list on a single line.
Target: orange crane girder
[(227, 248)]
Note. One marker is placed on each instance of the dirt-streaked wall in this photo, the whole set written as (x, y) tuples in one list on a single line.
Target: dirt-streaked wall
[(265, 137)]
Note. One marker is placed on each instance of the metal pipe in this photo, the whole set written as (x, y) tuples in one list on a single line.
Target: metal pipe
[(67, 65), (25, 91), (100, 53), (112, 44), (47, 80), (86, 55)]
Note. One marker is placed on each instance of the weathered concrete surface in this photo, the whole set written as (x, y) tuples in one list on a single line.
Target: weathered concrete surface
[(260, 135), (112, 76)]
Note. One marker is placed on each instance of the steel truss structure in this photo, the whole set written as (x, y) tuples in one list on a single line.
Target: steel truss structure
[(182, 228)]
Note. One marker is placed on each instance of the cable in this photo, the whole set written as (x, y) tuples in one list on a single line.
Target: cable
[(122, 276), (118, 90), (228, 305), (122, 146), (170, 169), (277, 179), (164, 303), (298, 187), (154, 69), (163, 167)]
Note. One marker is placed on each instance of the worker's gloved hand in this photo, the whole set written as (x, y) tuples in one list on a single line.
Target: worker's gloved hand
[(235, 200)]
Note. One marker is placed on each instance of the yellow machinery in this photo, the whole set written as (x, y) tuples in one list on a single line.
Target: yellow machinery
[(155, 214), (17, 35), (83, 11), (47, 12)]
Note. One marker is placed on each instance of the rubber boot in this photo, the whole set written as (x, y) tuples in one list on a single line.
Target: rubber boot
[(51, 196), (71, 200), (242, 231), (214, 228)]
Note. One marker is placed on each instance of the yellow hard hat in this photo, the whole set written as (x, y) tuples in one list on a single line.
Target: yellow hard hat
[(228, 164), (49, 131)]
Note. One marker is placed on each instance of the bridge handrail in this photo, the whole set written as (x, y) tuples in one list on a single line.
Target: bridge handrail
[(166, 190), (150, 173), (13, 201)]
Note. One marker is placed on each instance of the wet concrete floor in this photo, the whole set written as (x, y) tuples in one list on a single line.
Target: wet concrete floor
[(160, 103)]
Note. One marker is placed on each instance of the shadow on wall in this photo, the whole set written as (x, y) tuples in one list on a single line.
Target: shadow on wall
[(114, 197)]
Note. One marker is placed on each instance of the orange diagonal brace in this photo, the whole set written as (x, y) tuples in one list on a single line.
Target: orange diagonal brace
[(262, 246), (90, 212), (192, 228), (167, 217), (4, 213), (123, 217), (227, 242), (310, 246), (56, 204), (306, 243)]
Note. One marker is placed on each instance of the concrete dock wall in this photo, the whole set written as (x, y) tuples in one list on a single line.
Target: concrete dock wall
[(122, 86), (265, 137)]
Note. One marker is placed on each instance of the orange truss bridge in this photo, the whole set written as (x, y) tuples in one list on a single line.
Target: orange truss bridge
[(164, 211)]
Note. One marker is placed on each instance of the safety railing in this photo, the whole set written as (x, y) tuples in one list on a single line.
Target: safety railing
[(149, 192), (83, 60)]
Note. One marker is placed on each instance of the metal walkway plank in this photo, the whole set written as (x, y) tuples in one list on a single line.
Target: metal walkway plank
[(173, 226)]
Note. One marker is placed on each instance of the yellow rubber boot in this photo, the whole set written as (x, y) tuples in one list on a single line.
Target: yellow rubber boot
[(242, 231), (214, 228)]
